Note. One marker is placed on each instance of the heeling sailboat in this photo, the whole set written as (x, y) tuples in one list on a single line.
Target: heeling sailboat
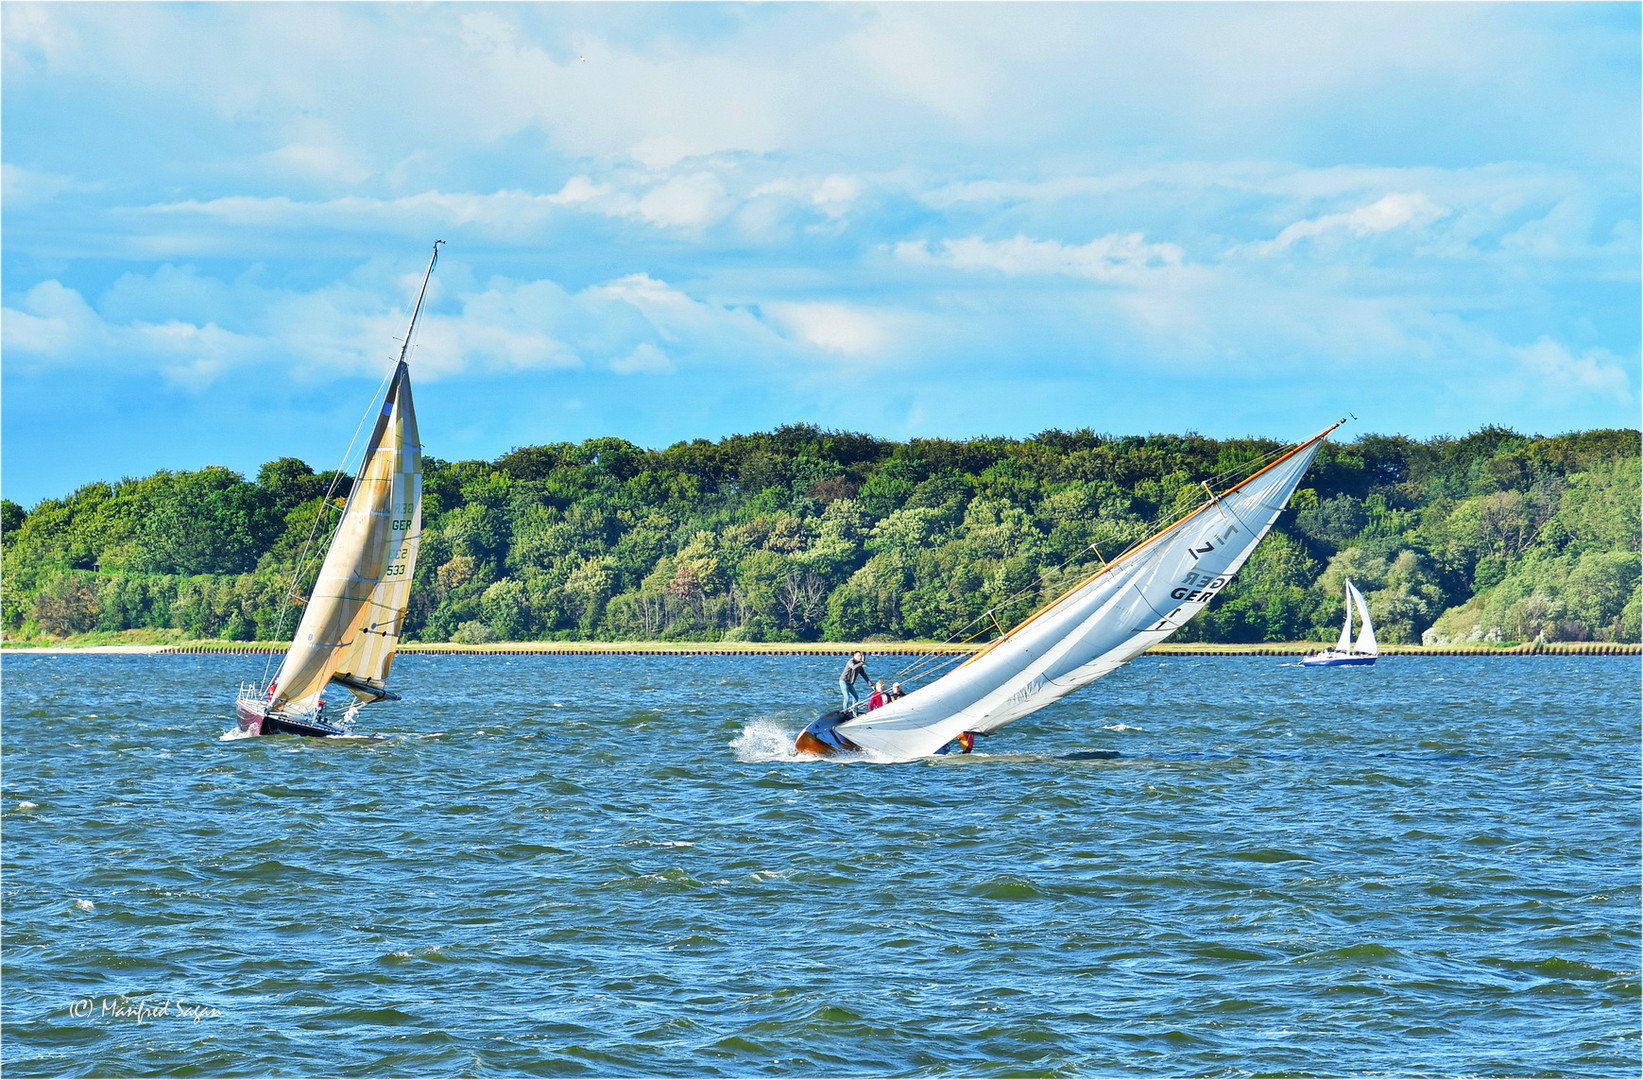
[(351, 623), (1346, 652), (1098, 625)]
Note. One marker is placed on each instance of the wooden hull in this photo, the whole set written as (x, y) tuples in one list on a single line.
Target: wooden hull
[(822, 738)]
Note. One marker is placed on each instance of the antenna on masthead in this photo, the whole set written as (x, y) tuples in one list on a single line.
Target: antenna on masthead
[(405, 346)]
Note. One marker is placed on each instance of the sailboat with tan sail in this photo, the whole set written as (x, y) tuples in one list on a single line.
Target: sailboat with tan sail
[(352, 618), (1101, 623)]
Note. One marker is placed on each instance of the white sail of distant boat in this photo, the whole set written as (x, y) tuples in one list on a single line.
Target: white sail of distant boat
[(1346, 652), (352, 620), (1103, 622)]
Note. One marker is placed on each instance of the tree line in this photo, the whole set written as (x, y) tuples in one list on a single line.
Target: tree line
[(803, 534)]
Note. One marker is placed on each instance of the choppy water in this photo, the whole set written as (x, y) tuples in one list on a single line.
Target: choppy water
[(612, 866)]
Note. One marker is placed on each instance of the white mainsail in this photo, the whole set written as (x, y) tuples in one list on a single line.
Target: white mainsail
[(1367, 645), (1106, 620)]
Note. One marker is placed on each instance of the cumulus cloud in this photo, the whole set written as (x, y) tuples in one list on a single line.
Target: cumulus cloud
[(55, 326), (1553, 369), (834, 327)]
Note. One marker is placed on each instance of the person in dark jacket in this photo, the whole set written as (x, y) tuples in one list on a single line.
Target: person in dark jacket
[(855, 669)]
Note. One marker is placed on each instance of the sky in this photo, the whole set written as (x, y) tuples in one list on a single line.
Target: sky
[(680, 221)]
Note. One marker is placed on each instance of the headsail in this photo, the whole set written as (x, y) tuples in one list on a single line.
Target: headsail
[(1106, 620), (1344, 644), (1366, 637)]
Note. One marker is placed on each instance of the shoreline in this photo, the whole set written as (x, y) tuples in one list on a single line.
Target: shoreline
[(818, 648)]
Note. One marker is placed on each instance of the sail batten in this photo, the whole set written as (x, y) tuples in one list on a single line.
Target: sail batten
[(1098, 625)]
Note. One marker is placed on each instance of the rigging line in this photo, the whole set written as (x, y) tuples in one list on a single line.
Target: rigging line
[(911, 671), (933, 661)]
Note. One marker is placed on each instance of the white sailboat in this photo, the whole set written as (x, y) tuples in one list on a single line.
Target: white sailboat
[(1100, 624), (1346, 652), (352, 620)]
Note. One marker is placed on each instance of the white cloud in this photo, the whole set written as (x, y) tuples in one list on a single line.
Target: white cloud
[(834, 327), (24, 188), (687, 201), (1553, 369), (56, 327), (645, 359), (1118, 257), (1411, 210), (832, 195)]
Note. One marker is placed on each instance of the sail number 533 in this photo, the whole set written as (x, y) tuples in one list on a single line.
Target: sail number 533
[(393, 568)]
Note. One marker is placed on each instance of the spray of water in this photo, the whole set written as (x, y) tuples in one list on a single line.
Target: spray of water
[(767, 740)]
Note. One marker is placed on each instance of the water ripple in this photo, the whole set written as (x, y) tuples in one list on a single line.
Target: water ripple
[(1216, 866)]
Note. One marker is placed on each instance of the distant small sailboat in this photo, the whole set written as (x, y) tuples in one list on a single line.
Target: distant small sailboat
[(1346, 652), (1133, 602), (351, 623)]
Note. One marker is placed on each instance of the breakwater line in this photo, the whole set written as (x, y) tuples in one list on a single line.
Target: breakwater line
[(835, 648)]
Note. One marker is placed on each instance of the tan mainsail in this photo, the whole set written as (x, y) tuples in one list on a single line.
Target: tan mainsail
[(352, 622), (364, 667)]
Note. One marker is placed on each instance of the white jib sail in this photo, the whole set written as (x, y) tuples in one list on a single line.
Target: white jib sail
[(351, 625), (1345, 642), (1366, 637), (1134, 602)]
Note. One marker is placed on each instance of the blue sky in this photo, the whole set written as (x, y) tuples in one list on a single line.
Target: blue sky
[(681, 221)]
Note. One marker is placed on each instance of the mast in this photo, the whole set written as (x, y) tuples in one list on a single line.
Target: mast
[(405, 346)]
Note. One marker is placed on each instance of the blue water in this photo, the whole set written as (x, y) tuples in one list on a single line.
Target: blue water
[(613, 867)]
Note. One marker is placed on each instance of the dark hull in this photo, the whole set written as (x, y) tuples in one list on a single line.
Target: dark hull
[(255, 719)]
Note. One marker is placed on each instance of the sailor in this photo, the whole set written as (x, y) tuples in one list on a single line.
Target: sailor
[(896, 691), (878, 698), (855, 669)]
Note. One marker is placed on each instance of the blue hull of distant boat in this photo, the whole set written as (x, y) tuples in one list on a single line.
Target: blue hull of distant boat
[(1326, 660)]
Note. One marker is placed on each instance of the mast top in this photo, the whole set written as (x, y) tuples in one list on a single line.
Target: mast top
[(405, 346)]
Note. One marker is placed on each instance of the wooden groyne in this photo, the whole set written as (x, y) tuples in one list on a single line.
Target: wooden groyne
[(829, 648)]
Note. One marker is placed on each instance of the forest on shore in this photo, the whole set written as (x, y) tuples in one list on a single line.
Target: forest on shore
[(802, 534)]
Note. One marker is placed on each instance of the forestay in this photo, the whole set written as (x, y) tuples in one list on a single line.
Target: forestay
[(351, 625), (1132, 603)]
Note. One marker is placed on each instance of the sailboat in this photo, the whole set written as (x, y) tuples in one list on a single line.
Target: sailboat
[(1113, 615), (1347, 653), (351, 622)]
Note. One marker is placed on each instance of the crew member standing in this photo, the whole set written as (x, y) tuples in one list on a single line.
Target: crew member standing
[(855, 669)]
